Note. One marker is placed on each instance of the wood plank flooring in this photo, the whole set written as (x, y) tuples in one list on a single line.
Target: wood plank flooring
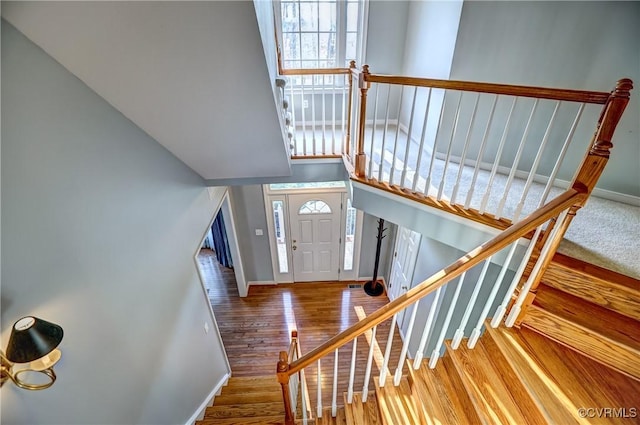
[(256, 328)]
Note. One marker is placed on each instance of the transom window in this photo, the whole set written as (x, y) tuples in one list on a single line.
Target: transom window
[(314, 207), (320, 33)]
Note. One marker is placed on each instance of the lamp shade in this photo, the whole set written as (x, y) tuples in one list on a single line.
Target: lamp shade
[(32, 338)]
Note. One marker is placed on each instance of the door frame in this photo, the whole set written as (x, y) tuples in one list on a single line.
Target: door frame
[(271, 195), (408, 273)]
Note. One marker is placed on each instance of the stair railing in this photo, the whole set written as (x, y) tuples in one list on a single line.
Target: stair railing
[(480, 150), (319, 101), (506, 239)]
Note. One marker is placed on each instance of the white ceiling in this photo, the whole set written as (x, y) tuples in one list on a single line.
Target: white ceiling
[(192, 75)]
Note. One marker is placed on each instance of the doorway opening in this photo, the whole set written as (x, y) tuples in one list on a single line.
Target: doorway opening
[(314, 232)]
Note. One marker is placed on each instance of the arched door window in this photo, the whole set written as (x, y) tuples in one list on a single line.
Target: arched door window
[(315, 206)]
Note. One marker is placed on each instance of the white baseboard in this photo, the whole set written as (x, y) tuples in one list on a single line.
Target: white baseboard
[(208, 401), (261, 283)]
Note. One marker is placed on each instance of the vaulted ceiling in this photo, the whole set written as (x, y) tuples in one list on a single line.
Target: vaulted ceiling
[(193, 75)]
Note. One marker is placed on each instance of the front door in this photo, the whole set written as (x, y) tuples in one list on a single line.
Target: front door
[(315, 236), (405, 255)]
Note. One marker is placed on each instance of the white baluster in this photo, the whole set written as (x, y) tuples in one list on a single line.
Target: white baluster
[(502, 308), (395, 145), (483, 146), (516, 160), (451, 139), (408, 145), (352, 372), (319, 399), (304, 121), (515, 310), (387, 353), (334, 398), (367, 373), (373, 132), (563, 152), (293, 119), (436, 352), (324, 119), (435, 142), (333, 115), (536, 162), (345, 90), (457, 338), (416, 176), (313, 113), (384, 136), (475, 333), (405, 346), (463, 157), (496, 162), (428, 328)]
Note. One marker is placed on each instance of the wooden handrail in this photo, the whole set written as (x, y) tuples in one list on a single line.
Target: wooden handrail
[(469, 260), (504, 89)]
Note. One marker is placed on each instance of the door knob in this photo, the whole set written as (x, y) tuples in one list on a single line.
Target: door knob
[(404, 287), (294, 247)]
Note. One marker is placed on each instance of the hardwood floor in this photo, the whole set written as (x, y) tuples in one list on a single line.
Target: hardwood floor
[(256, 328)]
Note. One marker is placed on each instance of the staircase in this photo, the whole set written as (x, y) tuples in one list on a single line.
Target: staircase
[(575, 359)]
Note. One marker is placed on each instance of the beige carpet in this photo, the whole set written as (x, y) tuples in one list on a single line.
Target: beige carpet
[(607, 234)]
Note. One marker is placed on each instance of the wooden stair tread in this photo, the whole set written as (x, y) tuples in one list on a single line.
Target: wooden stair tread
[(603, 335), (562, 380), (396, 404), (359, 413), (597, 285), (489, 394), (531, 376), (263, 383), (518, 389), (258, 420), (443, 396), (228, 397), (243, 410)]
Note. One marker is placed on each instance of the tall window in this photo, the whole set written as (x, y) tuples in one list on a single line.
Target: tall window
[(320, 33)]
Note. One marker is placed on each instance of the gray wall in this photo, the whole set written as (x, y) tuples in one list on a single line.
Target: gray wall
[(248, 207), (432, 257), (385, 36), (101, 227), (580, 45)]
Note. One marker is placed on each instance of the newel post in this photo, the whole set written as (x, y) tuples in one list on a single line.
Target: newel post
[(361, 157), (283, 378), (347, 147), (594, 162)]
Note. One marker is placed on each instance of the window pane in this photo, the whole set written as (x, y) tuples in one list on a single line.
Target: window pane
[(281, 241), (309, 16), (327, 45), (349, 237), (314, 207), (309, 46), (291, 45), (352, 39), (315, 185), (289, 16), (352, 16), (327, 12)]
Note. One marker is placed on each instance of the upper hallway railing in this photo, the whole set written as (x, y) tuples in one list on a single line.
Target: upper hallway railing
[(489, 152)]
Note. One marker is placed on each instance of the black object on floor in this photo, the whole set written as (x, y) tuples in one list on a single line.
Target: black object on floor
[(373, 287)]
